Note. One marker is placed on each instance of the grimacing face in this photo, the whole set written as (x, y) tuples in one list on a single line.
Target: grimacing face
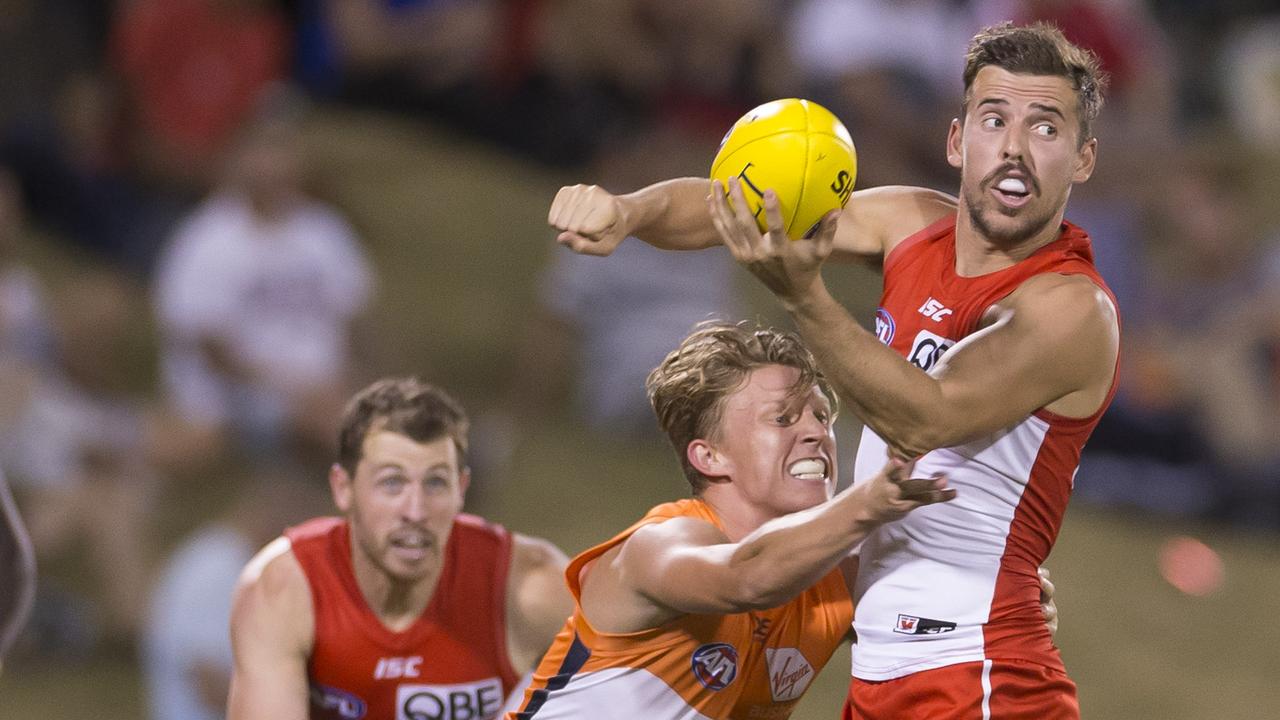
[(401, 503), (778, 447), (1019, 152)]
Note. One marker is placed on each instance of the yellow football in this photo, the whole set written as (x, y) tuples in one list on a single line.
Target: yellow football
[(797, 148)]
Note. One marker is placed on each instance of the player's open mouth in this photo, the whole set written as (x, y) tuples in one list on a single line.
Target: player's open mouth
[(809, 469), (411, 545), (1012, 192)]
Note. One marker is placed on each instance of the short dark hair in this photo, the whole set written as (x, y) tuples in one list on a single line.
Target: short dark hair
[(687, 390), (406, 406), (1039, 49)]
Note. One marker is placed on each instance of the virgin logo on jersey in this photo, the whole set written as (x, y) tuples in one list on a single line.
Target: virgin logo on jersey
[(330, 702), (789, 673), (715, 665), (884, 326), (462, 701), (912, 625), (928, 349)]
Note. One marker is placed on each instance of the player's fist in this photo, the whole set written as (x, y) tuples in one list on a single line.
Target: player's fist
[(590, 220)]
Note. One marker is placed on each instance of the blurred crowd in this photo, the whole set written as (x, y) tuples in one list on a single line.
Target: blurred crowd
[(155, 143)]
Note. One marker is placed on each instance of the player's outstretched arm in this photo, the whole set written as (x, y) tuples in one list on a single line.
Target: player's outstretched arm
[(670, 215), (538, 601), (271, 634), (686, 565), (673, 215)]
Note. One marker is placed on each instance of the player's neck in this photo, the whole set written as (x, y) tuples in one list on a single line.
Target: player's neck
[(978, 254), (396, 603), (738, 518)]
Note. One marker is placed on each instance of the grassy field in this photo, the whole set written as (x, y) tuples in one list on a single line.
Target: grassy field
[(458, 234)]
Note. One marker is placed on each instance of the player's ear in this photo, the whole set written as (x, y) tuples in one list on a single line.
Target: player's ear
[(340, 486), (464, 481), (707, 460), (955, 141), (1085, 159)]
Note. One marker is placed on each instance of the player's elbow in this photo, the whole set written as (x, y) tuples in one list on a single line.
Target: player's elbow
[(757, 594), (913, 436), (915, 442)]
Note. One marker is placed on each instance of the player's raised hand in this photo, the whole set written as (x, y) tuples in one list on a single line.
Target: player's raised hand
[(789, 268), (893, 493), (590, 220)]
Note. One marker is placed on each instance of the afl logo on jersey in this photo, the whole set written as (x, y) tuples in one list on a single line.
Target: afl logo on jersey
[(884, 326), (715, 665), (331, 702)]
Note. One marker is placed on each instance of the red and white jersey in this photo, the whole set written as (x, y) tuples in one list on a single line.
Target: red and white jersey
[(741, 666), (956, 582), (451, 664)]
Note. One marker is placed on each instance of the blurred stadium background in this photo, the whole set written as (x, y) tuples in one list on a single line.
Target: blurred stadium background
[(156, 153)]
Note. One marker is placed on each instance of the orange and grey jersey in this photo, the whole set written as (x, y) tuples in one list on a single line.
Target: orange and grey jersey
[(695, 667)]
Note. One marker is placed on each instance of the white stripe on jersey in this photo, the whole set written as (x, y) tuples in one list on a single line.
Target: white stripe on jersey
[(616, 694), (940, 562), (986, 690)]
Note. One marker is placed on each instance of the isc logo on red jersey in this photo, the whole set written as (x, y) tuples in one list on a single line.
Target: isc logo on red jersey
[(934, 310), (715, 665), (393, 668)]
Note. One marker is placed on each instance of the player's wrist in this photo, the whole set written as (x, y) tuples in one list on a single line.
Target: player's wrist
[(870, 508), (639, 210), (809, 300)]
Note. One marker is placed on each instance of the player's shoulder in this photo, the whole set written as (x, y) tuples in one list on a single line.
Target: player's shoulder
[(538, 599), (903, 209), (271, 609), (877, 219), (674, 533), (1069, 298), (531, 554), (273, 584), (1069, 312)]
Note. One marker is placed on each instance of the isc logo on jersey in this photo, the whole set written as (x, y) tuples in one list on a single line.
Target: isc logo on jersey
[(463, 701), (927, 349), (789, 673), (715, 665)]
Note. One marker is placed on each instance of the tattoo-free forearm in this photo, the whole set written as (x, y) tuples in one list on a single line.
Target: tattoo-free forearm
[(893, 397), (783, 557), (671, 215)]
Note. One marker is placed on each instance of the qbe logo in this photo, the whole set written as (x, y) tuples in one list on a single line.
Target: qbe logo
[(884, 326), (462, 701), (715, 665), (928, 349)]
